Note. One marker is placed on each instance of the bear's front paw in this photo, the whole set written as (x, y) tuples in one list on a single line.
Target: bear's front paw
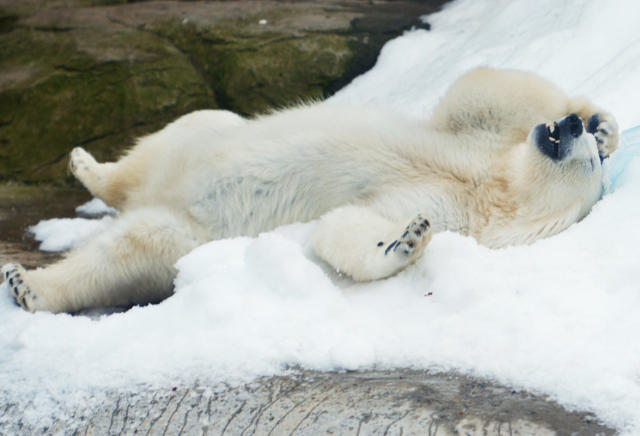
[(14, 275), (413, 240), (604, 128)]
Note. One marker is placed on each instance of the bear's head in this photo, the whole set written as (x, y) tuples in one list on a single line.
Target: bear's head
[(565, 162), (542, 186)]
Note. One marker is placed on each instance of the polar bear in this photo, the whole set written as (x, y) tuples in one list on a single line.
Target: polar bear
[(506, 157)]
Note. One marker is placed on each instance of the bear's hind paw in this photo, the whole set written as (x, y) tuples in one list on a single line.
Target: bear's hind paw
[(85, 168), (14, 276)]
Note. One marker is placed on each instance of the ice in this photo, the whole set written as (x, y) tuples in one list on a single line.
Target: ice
[(559, 317)]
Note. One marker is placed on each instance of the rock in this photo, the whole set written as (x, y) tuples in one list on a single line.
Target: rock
[(310, 403), (100, 73)]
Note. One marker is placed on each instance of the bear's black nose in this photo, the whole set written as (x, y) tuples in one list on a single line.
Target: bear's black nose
[(571, 124)]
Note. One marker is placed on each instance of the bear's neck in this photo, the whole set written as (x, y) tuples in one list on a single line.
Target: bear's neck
[(446, 209)]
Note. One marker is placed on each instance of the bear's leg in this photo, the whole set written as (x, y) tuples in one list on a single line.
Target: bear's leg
[(96, 177), (361, 243), (132, 262)]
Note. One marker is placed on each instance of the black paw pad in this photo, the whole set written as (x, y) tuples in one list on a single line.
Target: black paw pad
[(592, 123)]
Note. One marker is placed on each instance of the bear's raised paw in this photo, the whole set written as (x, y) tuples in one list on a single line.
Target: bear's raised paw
[(413, 240), (604, 128)]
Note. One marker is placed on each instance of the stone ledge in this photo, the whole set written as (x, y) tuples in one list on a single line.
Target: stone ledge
[(399, 402)]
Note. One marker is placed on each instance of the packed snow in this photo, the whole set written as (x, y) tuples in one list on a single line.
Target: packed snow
[(559, 317), (60, 234), (95, 207)]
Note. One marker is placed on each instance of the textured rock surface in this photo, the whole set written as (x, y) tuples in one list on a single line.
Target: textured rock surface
[(98, 73), (364, 403)]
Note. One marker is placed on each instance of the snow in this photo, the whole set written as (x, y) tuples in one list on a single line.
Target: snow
[(559, 317), (95, 207), (59, 234)]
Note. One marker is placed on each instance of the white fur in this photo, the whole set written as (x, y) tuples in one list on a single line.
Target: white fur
[(367, 174)]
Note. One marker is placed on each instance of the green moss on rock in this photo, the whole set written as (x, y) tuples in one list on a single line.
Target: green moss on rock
[(250, 74), (98, 73), (100, 105)]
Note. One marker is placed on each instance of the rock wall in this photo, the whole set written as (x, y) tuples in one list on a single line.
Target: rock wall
[(98, 73)]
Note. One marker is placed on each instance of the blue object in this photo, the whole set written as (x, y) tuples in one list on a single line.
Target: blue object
[(629, 148)]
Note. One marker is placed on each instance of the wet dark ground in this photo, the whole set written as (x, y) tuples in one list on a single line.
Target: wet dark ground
[(23, 206)]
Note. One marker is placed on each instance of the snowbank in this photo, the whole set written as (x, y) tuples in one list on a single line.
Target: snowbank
[(558, 317), (584, 46)]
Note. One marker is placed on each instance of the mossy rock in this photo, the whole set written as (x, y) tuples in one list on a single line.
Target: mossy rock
[(100, 73)]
